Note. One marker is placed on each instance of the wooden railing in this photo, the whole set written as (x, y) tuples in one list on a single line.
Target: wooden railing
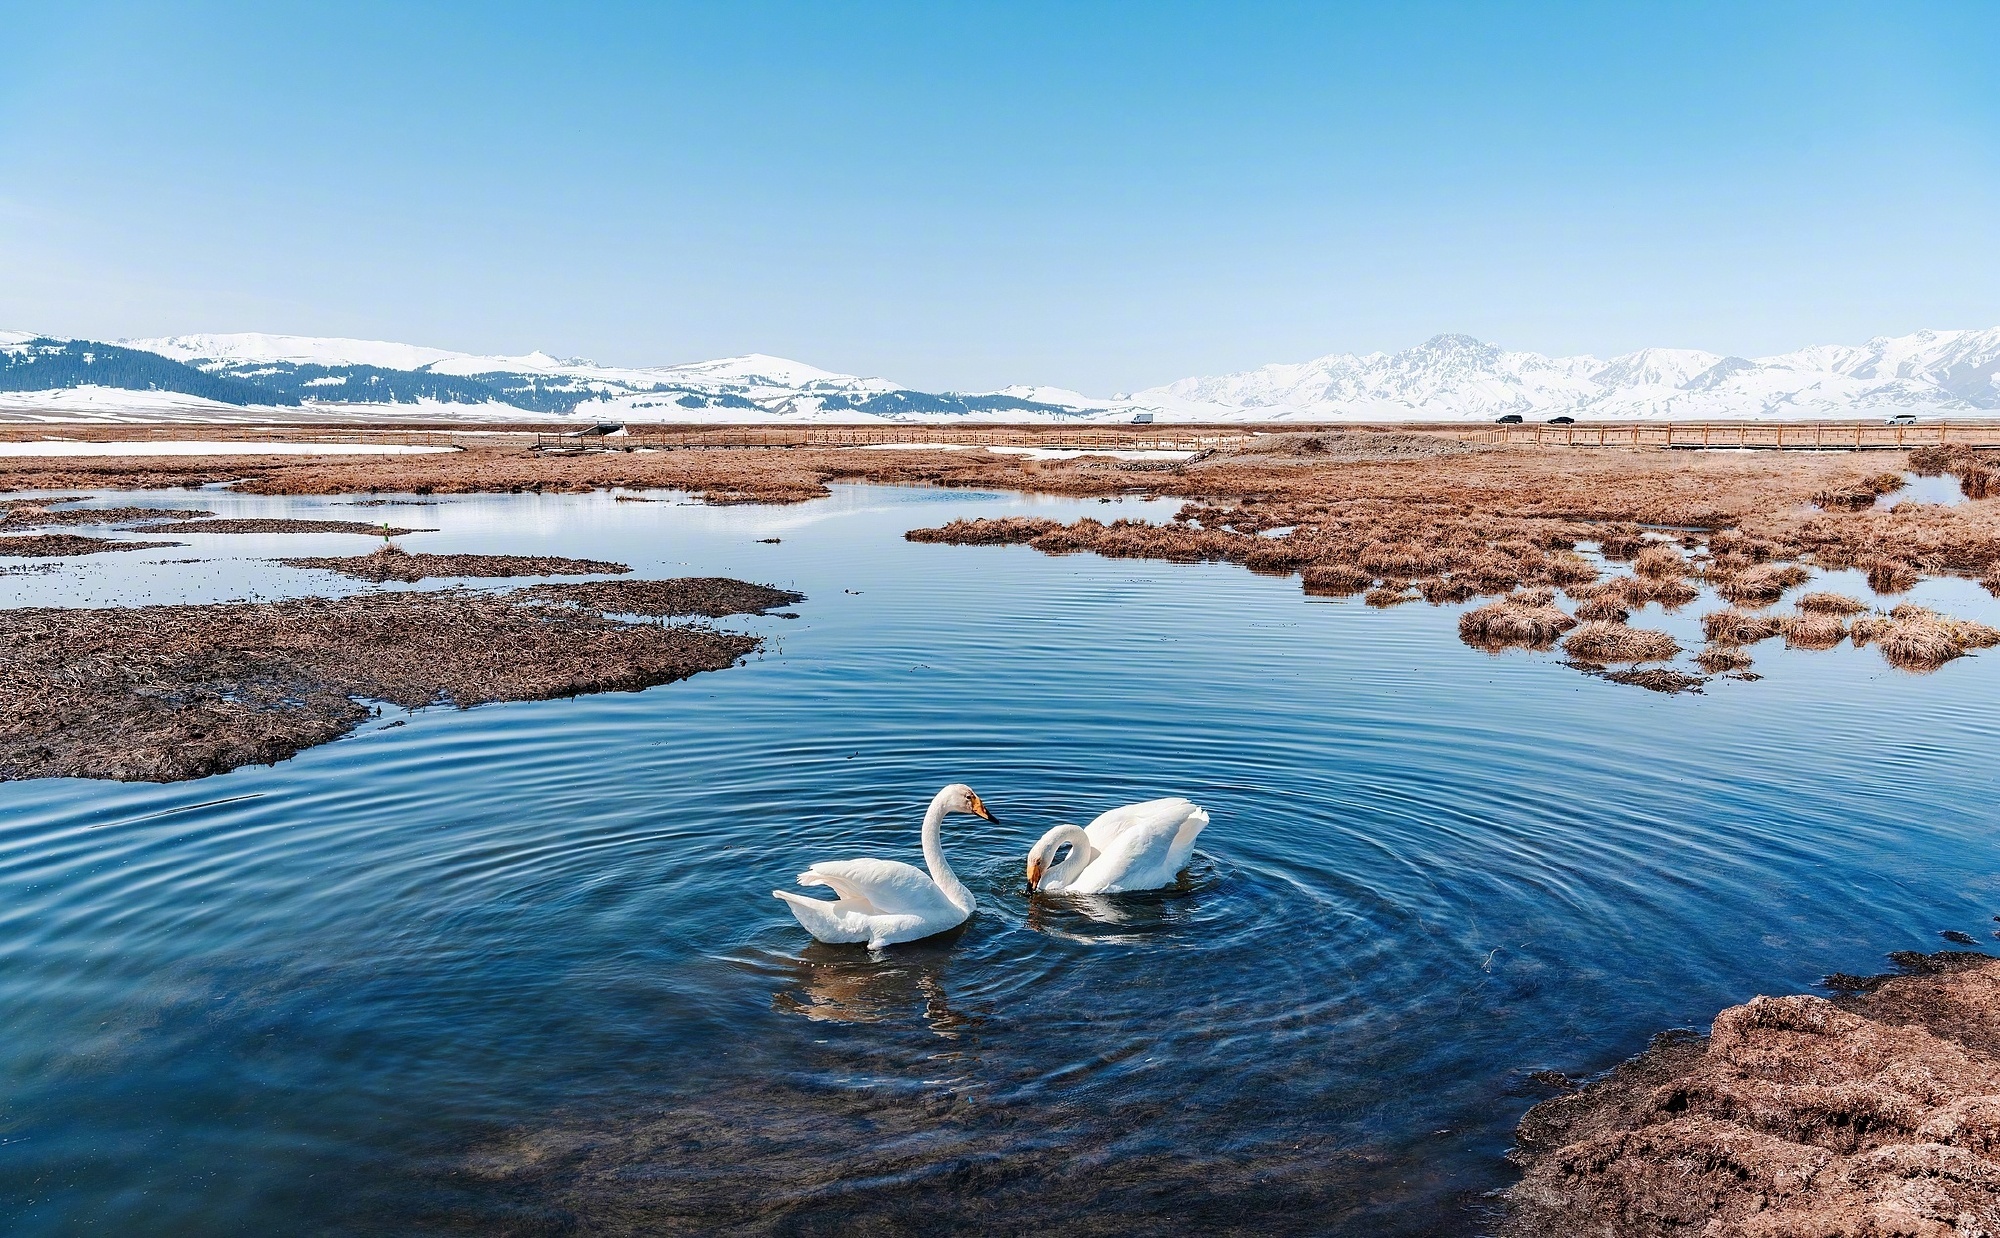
[(722, 438), (1760, 435)]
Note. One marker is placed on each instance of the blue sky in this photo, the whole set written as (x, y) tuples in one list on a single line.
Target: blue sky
[(1102, 196)]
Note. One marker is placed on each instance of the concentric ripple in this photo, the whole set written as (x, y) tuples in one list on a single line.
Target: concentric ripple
[(518, 969)]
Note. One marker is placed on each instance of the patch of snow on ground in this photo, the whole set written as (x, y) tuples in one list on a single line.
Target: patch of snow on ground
[(197, 447)]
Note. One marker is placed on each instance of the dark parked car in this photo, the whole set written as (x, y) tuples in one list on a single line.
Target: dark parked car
[(1562, 421), (1511, 419)]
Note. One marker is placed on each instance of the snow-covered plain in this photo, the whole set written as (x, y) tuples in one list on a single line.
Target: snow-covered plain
[(214, 447), (1945, 374)]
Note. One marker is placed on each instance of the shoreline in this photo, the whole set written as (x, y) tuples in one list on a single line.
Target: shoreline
[(1870, 1112)]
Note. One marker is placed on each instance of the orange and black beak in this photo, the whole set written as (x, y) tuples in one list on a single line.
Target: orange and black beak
[(978, 809), (1035, 871)]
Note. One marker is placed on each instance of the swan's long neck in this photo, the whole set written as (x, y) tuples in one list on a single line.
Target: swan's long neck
[(1078, 859), (948, 881)]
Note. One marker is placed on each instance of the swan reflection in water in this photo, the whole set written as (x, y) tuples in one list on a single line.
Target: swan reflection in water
[(832, 985)]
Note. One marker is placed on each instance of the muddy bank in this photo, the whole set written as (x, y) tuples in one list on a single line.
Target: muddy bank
[(394, 563), (165, 693), (31, 514), (215, 524), (1874, 1113), (711, 597), (52, 545)]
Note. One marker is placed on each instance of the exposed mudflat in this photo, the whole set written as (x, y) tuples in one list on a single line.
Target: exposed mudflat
[(52, 545), (278, 525), (1874, 1113), (394, 563), (163, 693)]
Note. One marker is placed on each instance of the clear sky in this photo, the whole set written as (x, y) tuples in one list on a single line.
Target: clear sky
[(962, 195)]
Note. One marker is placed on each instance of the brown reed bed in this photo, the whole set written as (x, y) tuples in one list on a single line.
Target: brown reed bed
[(1600, 642), (1794, 1116), (1335, 579), (1737, 627), (1492, 520), (23, 514), (1660, 561), (1830, 604), (165, 693), (216, 524), (1606, 608), (1860, 494), (1527, 620), (1915, 638), (1812, 631), (1763, 584), (1721, 659), (55, 545), (392, 563)]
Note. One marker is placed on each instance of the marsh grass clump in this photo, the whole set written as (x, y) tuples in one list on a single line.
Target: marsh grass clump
[(1566, 567), (1830, 604), (1388, 595), (1978, 482), (1336, 580), (1812, 631), (1737, 627), (1444, 590), (1859, 495), (1719, 659), (1599, 641), (1523, 620), (1660, 561), (1763, 584), (1916, 638), (1607, 608), (1670, 593), (1891, 576)]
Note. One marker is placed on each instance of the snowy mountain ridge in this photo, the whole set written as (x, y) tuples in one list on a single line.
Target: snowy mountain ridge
[(1447, 377), (1456, 376)]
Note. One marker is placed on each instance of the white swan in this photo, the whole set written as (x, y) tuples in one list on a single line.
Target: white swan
[(883, 902), (1137, 847)]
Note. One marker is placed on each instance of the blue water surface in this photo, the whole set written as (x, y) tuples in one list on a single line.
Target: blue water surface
[(518, 969)]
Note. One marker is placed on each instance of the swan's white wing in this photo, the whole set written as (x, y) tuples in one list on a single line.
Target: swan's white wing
[(832, 921), (1144, 846), (887, 887)]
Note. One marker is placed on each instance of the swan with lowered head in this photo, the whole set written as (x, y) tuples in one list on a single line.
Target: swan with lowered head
[(1137, 847), (883, 902)]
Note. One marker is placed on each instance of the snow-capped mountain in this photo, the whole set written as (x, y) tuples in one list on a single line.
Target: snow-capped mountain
[(1448, 377), (320, 377), (1452, 377)]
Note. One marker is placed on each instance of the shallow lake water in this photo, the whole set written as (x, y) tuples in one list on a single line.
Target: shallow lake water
[(517, 969)]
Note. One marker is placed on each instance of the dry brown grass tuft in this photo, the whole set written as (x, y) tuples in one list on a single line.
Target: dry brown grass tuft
[(1660, 561), (1388, 595), (1566, 567), (1736, 627), (1919, 639), (1670, 594), (1763, 584), (1717, 659), (1855, 496), (1812, 631), (1444, 590), (1888, 576), (1607, 609), (1830, 604), (1336, 580), (1978, 482), (1614, 642), (1525, 620)]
